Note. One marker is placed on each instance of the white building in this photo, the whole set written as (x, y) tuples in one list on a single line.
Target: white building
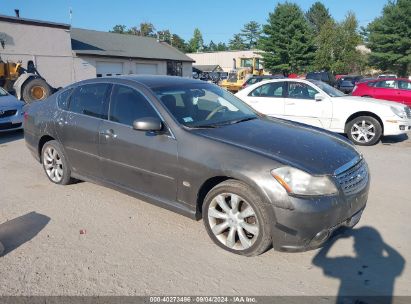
[(63, 55), (224, 59)]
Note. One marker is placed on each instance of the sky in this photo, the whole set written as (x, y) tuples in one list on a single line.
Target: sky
[(218, 20)]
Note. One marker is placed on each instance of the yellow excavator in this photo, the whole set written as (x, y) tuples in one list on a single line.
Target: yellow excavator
[(243, 68), (26, 84)]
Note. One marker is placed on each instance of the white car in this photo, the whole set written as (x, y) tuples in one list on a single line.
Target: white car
[(315, 103)]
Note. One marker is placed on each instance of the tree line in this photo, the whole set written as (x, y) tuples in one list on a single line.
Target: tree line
[(294, 41)]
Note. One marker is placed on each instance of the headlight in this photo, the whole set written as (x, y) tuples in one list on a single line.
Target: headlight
[(399, 112), (299, 182)]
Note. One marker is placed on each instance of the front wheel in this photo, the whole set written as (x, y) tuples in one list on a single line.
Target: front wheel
[(236, 220), (364, 130)]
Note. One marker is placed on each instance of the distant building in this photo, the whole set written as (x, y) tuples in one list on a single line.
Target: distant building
[(226, 60), (63, 55), (107, 54)]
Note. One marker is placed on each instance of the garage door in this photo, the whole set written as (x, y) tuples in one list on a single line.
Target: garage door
[(146, 68), (104, 68)]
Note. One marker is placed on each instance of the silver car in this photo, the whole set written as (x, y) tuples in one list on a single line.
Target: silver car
[(11, 112)]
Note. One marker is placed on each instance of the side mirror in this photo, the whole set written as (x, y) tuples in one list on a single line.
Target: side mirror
[(148, 124), (319, 97)]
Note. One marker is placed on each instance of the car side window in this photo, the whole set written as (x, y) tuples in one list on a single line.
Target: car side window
[(299, 90), (127, 105), (386, 84), (64, 98), (89, 100), (272, 89), (404, 85)]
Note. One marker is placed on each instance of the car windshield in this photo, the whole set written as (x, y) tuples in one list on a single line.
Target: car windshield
[(3, 92), (203, 105), (333, 92)]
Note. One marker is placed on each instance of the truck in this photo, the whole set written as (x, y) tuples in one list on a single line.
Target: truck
[(243, 68), (26, 84)]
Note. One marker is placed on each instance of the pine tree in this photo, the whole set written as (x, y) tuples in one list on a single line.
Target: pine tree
[(237, 43), (119, 29), (221, 46), (287, 41), (389, 38), (251, 34), (317, 16), (212, 47), (196, 43), (179, 43)]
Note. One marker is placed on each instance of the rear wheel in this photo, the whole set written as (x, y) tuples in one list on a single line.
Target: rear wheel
[(55, 164), (236, 220), (364, 130), (36, 89)]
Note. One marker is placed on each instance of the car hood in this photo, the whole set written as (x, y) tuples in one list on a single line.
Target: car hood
[(10, 102), (371, 100), (313, 150)]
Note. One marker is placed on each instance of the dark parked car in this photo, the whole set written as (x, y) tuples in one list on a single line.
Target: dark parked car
[(347, 83), (256, 79), (323, 76), (193, 148)]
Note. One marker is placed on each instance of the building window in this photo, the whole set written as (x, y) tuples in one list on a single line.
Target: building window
[(174, 68)]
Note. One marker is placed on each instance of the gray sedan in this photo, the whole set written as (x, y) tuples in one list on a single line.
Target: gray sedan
[(196, 149)]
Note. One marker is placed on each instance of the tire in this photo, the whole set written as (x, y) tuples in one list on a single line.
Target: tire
[(364, 130), (35, 89), (55, 163), (229, 233)]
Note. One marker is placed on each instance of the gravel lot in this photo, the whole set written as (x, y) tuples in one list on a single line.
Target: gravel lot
[(130, 247)]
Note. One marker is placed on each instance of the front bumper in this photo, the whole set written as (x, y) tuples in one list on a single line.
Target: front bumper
[(13, 122), (312, 220), (395, 126)]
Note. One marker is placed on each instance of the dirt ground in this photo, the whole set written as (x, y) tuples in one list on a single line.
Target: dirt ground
[(84, 239)]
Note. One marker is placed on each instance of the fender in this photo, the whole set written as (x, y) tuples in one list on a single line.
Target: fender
[(18, 84)]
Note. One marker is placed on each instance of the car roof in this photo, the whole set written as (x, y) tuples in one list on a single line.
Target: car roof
[(388, 78), (155, 81), (149, 81)]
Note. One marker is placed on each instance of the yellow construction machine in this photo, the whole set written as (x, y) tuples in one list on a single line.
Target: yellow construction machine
[(26, 84), (243, 68)]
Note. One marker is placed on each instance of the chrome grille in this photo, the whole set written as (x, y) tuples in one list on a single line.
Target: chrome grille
[(408, 111), (7, 113), (354, 179)]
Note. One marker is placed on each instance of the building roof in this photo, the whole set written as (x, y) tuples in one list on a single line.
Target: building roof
[(209, 68), (90, 42), (10, 19)]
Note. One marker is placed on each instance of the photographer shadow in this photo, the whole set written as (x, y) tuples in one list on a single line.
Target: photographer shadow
[(20, 230), (369, 277)]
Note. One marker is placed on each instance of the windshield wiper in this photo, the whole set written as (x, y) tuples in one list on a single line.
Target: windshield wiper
[(210, 126), (242, 119)]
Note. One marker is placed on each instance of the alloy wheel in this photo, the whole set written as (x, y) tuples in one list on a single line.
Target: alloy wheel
[(233, 221), (53, 164), (363, 131)]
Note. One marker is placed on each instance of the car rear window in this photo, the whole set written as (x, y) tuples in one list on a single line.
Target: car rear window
[(64, 98), (89, 100)]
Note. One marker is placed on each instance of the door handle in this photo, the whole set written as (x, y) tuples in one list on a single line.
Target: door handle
[(290, 103), (108, 133)]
